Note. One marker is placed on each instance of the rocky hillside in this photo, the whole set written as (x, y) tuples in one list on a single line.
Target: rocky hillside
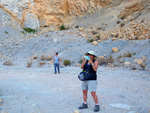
[(117, 30), (39, 13)]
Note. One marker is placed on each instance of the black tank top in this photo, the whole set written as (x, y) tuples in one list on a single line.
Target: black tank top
[(93, 75)]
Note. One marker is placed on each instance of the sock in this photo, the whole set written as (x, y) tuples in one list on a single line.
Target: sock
[(85, 102)]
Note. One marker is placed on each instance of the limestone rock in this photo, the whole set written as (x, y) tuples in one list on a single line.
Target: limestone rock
[(101, 57), (140, 61), (76, 111), (127, 64), (94, 43), (131, 7), (115, 49), (78, 65)]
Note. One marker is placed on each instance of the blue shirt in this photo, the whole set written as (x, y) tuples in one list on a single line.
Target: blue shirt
[(56, 59)]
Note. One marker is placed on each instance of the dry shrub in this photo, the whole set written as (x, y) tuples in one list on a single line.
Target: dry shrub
[(42, 57), (41, 63), (29, 64), (110, 59), (8, 63), (49, 58)]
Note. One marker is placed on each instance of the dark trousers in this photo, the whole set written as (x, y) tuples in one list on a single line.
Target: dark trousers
[(56, 65)]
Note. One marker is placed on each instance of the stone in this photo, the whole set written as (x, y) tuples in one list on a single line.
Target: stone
[(143, 57), (130, 8), (115, 49), (140, 61), (78, 65), (94, 43), (127, 64), (1, 100), (34, 57), (135, 61), (76, 111), (101, 57), (113, 39), (110, 64)]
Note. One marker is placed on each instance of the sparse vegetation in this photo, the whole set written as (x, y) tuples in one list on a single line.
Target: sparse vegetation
[(134, 53), (90, 40), (6, 32), (122, 24), (8, 63), (80, 61), (127, 54), (120, 56), (118, 22), (67, 62), (29, 64), (46, 26), (76, 26), (62, 27), (29, 30), (98, 37), (22, 32), (110, 59)]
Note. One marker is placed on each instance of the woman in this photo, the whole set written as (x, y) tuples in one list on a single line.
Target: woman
[(91, 83), (56, 62)]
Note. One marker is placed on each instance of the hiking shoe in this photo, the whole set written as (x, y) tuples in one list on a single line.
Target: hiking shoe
[(97, 108), (84, 106)]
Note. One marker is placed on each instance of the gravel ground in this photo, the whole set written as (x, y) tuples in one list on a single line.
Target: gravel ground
[(38, 90)]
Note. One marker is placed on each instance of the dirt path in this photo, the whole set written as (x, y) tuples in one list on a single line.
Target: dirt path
[(38, 90)]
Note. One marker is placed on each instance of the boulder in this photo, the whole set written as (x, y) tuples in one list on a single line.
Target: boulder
[(140, 61), (127, 64), (78, 65), (76, 111), (115, 49), (94, 43)]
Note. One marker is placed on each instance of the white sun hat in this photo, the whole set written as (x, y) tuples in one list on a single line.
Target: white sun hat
[(91, 53)]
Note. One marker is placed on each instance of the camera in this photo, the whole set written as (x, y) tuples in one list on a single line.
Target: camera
[(87, 57)]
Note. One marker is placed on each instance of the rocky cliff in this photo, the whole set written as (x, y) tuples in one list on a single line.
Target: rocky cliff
[(39, 13)]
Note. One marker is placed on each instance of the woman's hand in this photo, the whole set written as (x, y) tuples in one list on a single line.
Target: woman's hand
[(90, 61)]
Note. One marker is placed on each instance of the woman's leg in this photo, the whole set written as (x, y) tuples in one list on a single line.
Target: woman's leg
[(85, 96), (95, 97)]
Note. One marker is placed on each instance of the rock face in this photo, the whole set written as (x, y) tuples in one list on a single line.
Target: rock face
[(38, 13)]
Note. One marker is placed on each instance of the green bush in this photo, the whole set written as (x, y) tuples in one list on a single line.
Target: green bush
[(29, 30), (98, 37), (127, 54), (62, 27), (6, 32), (76, 26), (90, 40), (67, 62), (120, 56), (122, 24), (80, 61)]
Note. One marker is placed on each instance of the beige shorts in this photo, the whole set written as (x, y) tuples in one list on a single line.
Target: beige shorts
[(90, 85)]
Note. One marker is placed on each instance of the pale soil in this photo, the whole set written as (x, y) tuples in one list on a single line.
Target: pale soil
[(38, 90)]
